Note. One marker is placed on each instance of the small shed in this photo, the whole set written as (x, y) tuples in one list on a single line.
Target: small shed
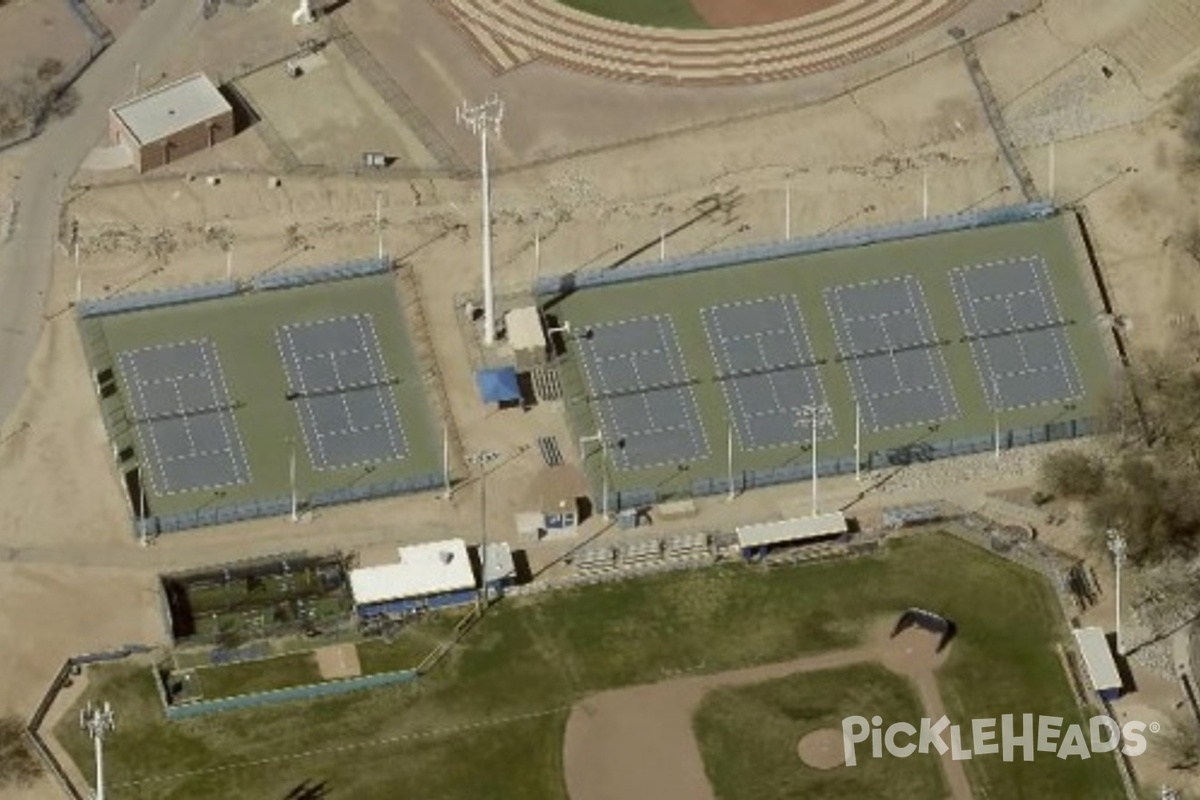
[(765, 536), (553, 505), (424, 576), (527, 337), (499, 385), (1098, 658), (163, 125), (497, 569)]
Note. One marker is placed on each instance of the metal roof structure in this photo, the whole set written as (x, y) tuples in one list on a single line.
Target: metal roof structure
[(523, 328), (791, 530), (157, 114), (422, 570), (1097, 655), (497, 562)]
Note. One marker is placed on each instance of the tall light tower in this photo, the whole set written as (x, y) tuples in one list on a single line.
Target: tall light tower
[(813, 416), (98, 723), (1117, 546), (480, 119)]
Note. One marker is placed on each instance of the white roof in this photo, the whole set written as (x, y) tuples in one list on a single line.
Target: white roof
[(497, 562), (791, 530), (155, 115), (422, 570), (523, 326), (1098, 657)]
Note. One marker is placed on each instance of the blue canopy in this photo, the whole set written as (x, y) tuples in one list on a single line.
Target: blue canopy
[(498, 385)]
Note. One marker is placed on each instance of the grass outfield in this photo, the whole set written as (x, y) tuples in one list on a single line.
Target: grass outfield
[(529, 660), (805, 277), (748, 737), (655, 13)]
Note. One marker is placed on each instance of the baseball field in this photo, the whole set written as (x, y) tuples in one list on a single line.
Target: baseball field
[(489, 722)]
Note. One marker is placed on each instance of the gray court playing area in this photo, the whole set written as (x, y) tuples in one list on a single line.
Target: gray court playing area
[(892, 354), (636, 377), (342, 392), (766, 369), (184, 416), (1016, 332)]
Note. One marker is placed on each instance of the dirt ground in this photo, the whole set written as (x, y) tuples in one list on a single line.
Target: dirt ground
[(617, 742), (72, 578), (721, 14), (822, 749), (338, 661), (33, 30)]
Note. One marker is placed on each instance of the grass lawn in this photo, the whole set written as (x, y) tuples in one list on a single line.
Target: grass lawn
[(656, 13), (537, 656), (748, 737), (247, 677), (415, 641)]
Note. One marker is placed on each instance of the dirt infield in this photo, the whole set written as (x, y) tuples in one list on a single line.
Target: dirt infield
[(338, 661), (822, 749), (723, 14), (617, 742)]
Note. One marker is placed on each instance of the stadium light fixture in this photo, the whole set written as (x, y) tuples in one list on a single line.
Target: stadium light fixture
[(813, 416), (481, 119), (97, 722), (1117, 546)]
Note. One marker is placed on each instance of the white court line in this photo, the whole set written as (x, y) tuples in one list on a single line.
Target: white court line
[(156, 466), (385, 394), (317, 453), (933, 353), (223, 400)]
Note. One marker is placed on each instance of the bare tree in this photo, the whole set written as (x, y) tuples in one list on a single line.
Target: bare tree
[(18, 765)]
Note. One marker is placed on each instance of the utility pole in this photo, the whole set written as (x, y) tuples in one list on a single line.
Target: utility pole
[(379, 224), (787, 211), (1117, 546), (996, 416), (857, 442), (814, 416), (292, 477), (98, 722), (480, 119), (729, 453)]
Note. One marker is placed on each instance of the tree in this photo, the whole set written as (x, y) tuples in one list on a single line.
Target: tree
[(18, 765), (1070, 473)]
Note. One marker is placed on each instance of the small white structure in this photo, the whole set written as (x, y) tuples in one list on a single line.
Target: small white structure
[(1098, 658), (497, 569), (431, 575), (791, 531), (304, 15), (523, 326)]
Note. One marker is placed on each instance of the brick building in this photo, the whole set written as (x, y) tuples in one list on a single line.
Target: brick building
[(164, 125)]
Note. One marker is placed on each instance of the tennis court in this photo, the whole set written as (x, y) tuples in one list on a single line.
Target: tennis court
[(237, 402), (647, 409), (1016, 332), (888, 345), (184, 416), (340, 388), (767, 370), (702, 374)]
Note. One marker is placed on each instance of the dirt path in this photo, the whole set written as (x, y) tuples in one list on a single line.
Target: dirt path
[(618, 742)]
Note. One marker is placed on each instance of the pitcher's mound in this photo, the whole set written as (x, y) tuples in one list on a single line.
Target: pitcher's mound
[(822, 749)]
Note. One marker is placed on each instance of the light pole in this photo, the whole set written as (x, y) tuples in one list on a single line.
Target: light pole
[(379, 224), (292, 477), (480, 119), (813, 415), (996, 416), (98, 722), (1117, 546), (598, 437)]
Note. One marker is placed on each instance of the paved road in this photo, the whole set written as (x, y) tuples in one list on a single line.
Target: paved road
[(26, 258)]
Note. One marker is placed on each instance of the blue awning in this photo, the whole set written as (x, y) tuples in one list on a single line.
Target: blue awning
[(498, 385)]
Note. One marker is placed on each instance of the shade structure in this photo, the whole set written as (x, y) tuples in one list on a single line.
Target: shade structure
[(498, 385)]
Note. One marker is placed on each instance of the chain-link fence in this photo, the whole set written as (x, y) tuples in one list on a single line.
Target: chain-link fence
[(306, 276), (139, 301), (565, 284)]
